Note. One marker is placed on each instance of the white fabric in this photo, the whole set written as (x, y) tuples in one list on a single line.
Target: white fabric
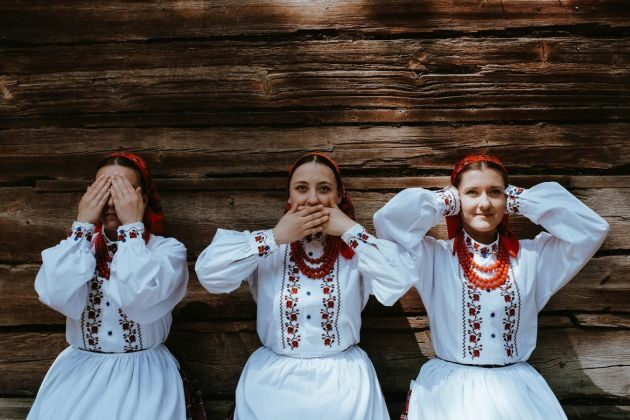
[(445, 390), (82, 385), (339, 386), (299, 317), (129, 312), (473, 326)]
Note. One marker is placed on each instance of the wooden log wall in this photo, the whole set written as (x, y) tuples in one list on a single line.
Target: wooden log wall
[(220, 96)]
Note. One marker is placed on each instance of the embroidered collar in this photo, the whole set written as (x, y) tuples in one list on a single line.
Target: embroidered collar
[(482, 250)]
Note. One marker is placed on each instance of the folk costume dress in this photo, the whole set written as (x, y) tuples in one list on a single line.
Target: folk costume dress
[(117, 297), (483, 338), (310, 366)]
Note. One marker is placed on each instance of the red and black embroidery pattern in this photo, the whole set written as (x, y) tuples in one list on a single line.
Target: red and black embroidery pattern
[(91, 318), (353, 239), (289, 305), (262, 241), (131, 332), (331, 301), (511, 297), (512, 202), (472, 311), (450, 200)]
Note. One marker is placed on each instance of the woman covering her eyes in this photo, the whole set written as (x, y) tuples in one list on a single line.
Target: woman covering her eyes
[(483, 288), (311, 275), (116, 280)]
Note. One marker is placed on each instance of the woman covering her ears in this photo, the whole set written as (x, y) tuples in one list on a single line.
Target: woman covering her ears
[(483, 288), (116, 281), (311, 275)]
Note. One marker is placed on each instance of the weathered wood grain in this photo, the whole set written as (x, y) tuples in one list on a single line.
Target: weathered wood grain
[(116, 20), (551, 58), (248, 89), (49, 153)]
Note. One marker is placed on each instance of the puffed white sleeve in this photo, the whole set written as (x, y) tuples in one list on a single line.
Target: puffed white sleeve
[(574, 234), (384, 266), (406, 219), (232, 258), (61, 282), (147, 280)]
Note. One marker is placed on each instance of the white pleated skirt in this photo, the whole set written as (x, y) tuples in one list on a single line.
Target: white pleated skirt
[(445, 390), (84, 385), (341, 386)]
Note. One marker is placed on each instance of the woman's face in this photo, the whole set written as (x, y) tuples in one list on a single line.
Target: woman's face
[(482, 200), (109, 219), (312, 184)]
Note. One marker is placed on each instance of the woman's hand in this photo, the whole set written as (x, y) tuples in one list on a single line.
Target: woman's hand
[(93, 201), (296, 224), (338, 222), (128, 201)]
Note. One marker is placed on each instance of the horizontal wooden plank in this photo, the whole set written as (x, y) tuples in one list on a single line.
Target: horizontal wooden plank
[(602, 286), (603, 320), (51, 153), (205, 90), (315, 117), (551, 58), (576, 363), (119, 20), (35, 221), (350, 183)]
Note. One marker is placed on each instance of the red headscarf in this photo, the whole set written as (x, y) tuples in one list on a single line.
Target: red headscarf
[(345, 204), (153, 218), (454, 223)]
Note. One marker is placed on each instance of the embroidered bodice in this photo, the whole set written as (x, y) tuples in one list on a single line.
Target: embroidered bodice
[(131, 310), (476, 326), (296, 315)]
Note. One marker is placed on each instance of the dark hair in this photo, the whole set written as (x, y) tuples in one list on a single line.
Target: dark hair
[(316, 159), (121, 161), (479, 166)]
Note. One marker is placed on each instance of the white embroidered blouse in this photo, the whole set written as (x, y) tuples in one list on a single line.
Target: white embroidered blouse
[(474, 326), (296, 315), (131, 310)]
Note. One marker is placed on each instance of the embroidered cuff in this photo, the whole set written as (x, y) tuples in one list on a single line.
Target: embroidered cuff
[(448, 201), (356, 236), (130, 232), (264, 243), (80, 231), (513, 199)]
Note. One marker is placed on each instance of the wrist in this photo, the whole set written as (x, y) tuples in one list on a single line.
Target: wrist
[(448, 201)]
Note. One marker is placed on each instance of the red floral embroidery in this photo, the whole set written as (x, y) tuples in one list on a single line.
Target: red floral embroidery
[(261, 240), (450, 200), (512, 202), (130, 233), (290, 302), (473, 322), (353, 239), (91, 317), (131, 332), (328, 311), (510, 294), (78, 232)]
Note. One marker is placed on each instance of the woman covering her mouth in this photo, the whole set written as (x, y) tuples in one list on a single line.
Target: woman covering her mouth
[(483, 288), (311, 275)]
